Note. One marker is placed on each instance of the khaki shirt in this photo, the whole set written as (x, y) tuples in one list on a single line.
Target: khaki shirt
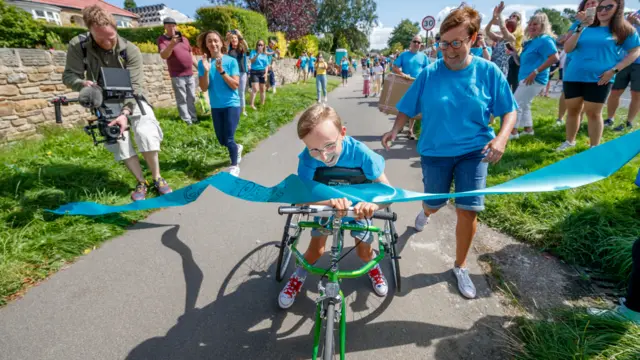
[(74, 74)]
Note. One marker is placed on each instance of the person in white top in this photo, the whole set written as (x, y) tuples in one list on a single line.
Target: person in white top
[(367, 86), (377, 77)]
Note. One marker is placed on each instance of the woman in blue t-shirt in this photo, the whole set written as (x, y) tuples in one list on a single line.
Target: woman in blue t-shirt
[(538, 54), (344, 66), (239, 50), (259, 68), (595, 47), (219, 74), (456, 142)]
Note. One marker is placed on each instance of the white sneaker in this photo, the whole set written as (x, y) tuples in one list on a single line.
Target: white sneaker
[(559, 122), (291, 290), (465, 285), (234, 170), (239, 158), (319, 102), (566, 145), (244, 113), (527, 133), (326, 99), (514, 136), (421, 221), (378, 281)]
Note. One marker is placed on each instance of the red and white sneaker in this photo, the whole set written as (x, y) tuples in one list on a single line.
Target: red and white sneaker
[(378, 281), (291, 290)]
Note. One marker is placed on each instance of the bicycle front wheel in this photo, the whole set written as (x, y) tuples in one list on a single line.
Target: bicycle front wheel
[(329, 350)]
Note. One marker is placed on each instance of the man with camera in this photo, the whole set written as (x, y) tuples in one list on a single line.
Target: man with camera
[(176, 49), (102, 47)]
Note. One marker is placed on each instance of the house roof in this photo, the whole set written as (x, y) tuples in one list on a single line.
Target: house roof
[(81, 4)]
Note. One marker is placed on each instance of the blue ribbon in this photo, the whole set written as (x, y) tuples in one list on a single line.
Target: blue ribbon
[(578, 170)]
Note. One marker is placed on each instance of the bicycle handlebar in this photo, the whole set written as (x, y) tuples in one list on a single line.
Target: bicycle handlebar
[(328, 211)]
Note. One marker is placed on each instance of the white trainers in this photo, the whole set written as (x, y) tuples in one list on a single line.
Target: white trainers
[(465, 285), (378, 281), (239, 158), (291, 290), (559, 122), (234, 170), (565, 145), (527, 133), (421, 221), (326, 99), (514, 136)]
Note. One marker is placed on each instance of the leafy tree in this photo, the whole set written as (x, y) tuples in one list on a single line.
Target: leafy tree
[(341, 42), (326, 42), (294, 18), (356, 39), (403, 33), (397, 47), (130, 4), (19, 29), (352, 18), (569, 14), (308, 43), (559, 24)]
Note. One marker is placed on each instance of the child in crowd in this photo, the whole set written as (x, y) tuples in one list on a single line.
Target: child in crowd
[(367, 82)]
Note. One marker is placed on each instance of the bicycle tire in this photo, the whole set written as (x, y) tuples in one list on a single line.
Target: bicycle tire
[(284, 256), (329, 350), (394, 257)]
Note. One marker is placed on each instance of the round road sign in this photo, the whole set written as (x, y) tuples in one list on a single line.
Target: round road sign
[(428, 23)]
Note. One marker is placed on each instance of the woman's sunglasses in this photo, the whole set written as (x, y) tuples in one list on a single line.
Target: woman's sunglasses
[(605, 8)]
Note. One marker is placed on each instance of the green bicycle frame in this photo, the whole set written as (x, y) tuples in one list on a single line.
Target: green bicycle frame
[(335, 276)]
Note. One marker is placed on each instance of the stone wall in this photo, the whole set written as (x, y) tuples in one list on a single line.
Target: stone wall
[(30, 78)]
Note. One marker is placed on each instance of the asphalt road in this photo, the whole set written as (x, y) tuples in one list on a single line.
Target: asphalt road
[(197, 282)]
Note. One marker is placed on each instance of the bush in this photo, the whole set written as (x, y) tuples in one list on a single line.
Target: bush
[(142, 34), (253, 25), (19, 29), (308, 43), (281, 42), (189, 31), (147, 47), (326, 42)]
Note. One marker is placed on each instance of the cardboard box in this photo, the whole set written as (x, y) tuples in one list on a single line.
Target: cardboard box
[(393, 90)]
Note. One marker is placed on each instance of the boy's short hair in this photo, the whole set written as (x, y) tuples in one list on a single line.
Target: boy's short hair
[(95, 15), (316, 115)]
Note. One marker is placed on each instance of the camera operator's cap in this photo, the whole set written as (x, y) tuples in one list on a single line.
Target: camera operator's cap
[(169, 20)]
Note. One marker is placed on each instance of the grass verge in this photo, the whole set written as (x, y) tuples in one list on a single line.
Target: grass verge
[(66, 167)]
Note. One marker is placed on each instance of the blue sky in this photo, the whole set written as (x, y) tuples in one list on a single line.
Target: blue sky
[(390, 12)]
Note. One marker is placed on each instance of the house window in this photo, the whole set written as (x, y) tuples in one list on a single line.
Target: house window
[(123, 22), (48, 16)]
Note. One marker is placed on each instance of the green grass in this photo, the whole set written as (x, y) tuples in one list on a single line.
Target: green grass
[(66, 167), (593, 226)]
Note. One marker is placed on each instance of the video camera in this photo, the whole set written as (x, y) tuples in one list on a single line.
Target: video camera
[(105, 101)]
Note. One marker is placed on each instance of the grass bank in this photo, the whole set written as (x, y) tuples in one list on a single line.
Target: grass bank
[(66, 167)]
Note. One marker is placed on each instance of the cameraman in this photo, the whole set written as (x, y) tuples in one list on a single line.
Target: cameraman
[(102, 47)]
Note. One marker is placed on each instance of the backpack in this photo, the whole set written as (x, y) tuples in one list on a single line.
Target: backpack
[(298, 63), (83, 45)]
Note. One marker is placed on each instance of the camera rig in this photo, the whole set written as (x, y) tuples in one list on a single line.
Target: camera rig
[(105, 101)]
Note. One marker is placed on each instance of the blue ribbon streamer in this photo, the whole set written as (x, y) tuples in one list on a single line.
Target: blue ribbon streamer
[(578, 170)]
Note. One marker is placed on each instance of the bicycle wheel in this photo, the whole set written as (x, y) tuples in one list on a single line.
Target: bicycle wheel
[(290, 232), (329, 349), (392, 239)]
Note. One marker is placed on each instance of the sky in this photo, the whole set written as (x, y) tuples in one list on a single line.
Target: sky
[(391, 12)]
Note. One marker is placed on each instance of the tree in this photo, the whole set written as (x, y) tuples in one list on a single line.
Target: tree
[(397, 47), (403, 33), (130, 4), (294, 18), (569, 14), (352, 18), (326, 42), (559, 24)]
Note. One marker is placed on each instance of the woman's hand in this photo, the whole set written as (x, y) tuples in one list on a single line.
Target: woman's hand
[(205, 63), (584, 19), (530, 79), (365, 210), (495, 149), (497, 11), (605, 78), (219, 65)]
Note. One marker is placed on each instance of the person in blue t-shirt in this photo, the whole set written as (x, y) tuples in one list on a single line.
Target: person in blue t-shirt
[(312, 65), (344, 70), (328, 146), (628, 75), (456, 142), (409, 64), (259, 69), (480, 48), (304, 65), (595, 50), (219, 74), (538, 54), (274, 54)]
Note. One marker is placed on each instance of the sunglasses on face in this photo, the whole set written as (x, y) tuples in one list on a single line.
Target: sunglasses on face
[(416, 42), (260, 45), (605, 8), (456, 44)]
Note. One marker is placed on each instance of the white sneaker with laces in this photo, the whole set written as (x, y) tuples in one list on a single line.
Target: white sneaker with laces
[(559, 122), (514, 136), (421, 221), (465, 285), (239, 158), (234, 170), (527, 133), (378, 281), (565, 145), (291, 290)]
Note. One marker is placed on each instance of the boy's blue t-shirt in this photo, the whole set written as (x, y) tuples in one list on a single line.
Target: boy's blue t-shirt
[(312, 62), (477, 51), (412, 64), (220, 94), (449, 129), (261, 62), (534, 53), (345, 65), (354, 155), (595, 53), (303, 61)]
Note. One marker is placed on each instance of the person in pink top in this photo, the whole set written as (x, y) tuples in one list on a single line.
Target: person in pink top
[(176, 49)]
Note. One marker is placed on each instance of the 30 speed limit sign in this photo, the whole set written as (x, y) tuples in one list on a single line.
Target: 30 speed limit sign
[(428, 23)]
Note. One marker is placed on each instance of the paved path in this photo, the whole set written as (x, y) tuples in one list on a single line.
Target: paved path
[(196, 282)]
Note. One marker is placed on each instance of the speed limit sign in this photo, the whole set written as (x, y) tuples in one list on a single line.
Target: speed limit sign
[(428, 23)]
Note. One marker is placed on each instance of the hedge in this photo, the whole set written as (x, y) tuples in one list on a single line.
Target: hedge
[(308, 43), (253, 25), (18, 28), (136, 35)]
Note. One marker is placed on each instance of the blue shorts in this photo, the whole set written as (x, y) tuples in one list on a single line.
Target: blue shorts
[(365, 236), (345, 74), (468, 171), (311, 69)]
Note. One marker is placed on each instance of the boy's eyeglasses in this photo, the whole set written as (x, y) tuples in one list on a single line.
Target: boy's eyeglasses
[(456, 44), (329, 148), (604, 8)]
